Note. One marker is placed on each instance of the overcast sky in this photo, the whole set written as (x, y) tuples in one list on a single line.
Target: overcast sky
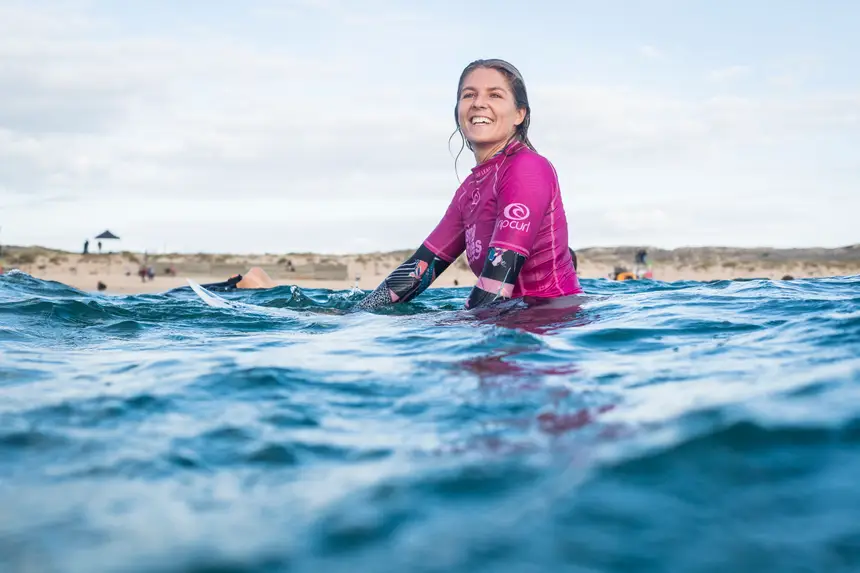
[(295, 125)]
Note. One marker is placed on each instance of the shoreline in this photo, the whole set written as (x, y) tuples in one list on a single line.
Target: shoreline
[(119, 271)]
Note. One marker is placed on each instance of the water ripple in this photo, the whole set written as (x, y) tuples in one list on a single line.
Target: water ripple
[(658, 427)]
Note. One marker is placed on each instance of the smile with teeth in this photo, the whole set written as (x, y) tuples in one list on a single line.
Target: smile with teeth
[(479, 119)]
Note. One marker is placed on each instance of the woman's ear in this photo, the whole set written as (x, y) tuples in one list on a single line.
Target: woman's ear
[(521, 116)]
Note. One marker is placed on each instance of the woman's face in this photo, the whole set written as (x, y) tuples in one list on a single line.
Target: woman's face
[(487, 110)]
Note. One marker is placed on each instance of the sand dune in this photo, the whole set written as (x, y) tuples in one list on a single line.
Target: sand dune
[(119, 271)]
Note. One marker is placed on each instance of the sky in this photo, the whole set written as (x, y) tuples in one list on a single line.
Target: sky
[(324, 125)]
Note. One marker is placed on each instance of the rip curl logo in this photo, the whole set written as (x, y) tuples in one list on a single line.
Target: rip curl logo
[(515, 215), (473, 247), (516, 212)]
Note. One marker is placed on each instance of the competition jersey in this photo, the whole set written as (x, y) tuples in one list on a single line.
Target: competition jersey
[(511, 201)]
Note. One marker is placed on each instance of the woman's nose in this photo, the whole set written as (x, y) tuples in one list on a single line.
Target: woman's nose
[(479, 101)]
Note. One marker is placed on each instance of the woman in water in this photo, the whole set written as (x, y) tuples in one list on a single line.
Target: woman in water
[(507, 215)]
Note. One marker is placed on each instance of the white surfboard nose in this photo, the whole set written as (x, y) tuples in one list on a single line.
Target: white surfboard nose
[(208, 297)]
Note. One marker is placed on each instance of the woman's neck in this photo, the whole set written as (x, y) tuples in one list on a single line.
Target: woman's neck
[(484, 153)]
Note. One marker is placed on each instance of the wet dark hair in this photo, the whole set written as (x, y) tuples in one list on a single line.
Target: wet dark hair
[(521, 99)]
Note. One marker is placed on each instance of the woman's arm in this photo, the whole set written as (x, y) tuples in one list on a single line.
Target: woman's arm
[(407, 281), (414, 275), (525, 197), (497, 279)]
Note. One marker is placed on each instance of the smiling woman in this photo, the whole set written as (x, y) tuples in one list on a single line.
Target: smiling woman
[(508, 215)]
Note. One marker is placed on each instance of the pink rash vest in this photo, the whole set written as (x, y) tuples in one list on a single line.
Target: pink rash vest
[(511, 201)]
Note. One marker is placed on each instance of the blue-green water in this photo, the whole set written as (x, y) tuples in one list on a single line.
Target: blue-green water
[(660, 427)]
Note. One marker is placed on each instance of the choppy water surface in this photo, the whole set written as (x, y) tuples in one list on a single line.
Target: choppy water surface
[(660, 427)]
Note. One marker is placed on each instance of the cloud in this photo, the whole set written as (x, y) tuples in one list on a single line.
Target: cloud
[(208, 116), (178, 139), (650, 52), (783, 80), (729, 74), (608, 124), (376, 14)]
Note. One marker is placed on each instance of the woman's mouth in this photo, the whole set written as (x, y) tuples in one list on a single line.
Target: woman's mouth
[(480, 120)]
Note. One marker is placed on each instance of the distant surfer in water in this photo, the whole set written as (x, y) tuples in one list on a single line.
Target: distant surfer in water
[(507, 216), (254, 278)]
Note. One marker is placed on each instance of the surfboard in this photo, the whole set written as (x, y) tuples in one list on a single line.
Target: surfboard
[(210, 298), (216, 301)]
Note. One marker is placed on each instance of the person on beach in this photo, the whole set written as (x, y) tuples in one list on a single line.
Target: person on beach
[(507, 216)]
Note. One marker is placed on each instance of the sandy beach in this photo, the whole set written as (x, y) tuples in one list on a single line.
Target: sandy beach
[(119, 271)]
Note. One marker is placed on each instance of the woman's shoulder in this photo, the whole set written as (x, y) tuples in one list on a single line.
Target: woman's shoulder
[(528, 161)]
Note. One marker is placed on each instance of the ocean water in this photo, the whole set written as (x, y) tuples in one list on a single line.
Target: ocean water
[(659, 427)]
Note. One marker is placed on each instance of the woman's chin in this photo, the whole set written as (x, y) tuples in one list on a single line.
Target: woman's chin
[(485, 142)]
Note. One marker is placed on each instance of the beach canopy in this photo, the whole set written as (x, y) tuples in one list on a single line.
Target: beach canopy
[(107, 235)]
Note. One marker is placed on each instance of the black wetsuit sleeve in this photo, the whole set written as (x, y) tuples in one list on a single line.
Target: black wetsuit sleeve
[(407, 281), (229, 284), (498, 277)]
